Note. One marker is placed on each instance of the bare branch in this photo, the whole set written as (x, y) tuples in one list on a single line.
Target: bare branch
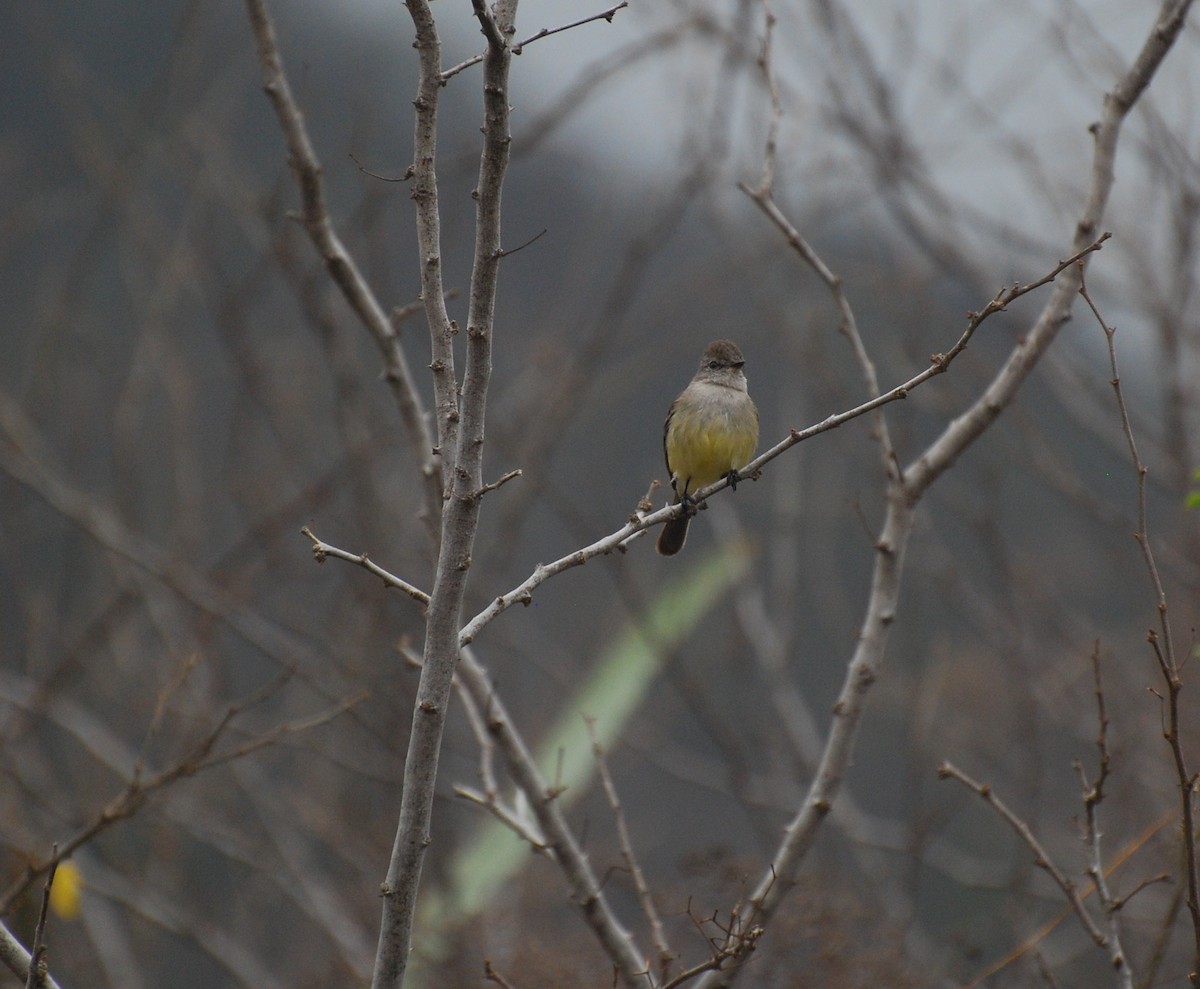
[(321, 550), (502, 480), (461, 416), (763, 197), (505, 815), (342, 268)]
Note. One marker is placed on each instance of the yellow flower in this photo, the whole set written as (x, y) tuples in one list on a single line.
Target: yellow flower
[(67, 891)]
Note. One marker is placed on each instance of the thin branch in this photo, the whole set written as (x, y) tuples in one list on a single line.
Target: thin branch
[(322, 550), (38, 966), (1041, 858), (517, 824), (735, 945), (604, 15), (645, 898), (502, 480), (520, 247), (402, 177), (1029, 944), (1162, 645)]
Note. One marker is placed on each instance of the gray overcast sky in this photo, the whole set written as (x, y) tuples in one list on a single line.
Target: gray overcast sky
[(993, 98)]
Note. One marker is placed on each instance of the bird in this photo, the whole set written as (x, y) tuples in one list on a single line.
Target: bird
[(711, 432)]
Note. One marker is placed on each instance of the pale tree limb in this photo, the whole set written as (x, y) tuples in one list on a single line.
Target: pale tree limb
[(341, 265), (465, 426), (904, 496), (16, 958)]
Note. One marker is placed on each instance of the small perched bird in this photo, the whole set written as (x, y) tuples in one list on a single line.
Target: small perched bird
[(711, 432)]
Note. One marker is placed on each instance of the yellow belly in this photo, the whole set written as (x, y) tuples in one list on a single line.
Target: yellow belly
[(702, 449)]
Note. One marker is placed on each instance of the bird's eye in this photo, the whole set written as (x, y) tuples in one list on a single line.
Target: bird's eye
[(713, 365)]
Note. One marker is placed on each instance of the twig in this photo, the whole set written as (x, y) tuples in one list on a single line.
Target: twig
[(645, 898), (1041, 858), (36, 975), (402, 177), (604, 15), (493, 485), (736, 944), (491, 975), (321, 550), (517, 824), (520, 247)]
